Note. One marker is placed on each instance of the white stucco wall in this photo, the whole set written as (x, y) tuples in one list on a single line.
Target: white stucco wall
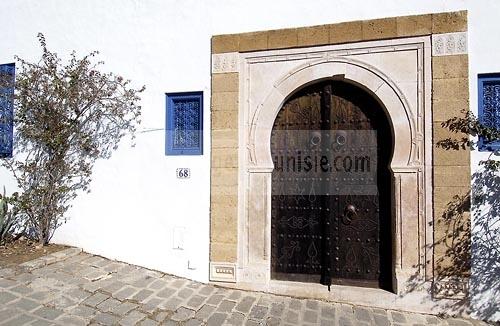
[(136, 200)]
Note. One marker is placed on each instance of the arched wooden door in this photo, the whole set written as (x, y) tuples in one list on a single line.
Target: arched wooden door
[(331, 145)]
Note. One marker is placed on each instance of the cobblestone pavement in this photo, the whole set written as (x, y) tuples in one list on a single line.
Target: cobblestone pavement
[(75, 288)]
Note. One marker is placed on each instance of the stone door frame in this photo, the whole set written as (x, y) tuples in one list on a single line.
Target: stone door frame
[(411, 163)]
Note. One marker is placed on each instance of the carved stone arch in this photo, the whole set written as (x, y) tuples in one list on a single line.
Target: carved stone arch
[(381, 87)]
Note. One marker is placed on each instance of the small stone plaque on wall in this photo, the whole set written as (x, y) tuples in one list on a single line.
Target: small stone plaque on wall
[(222, 272)]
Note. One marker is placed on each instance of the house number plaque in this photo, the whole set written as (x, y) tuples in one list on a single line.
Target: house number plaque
[(183, 173)]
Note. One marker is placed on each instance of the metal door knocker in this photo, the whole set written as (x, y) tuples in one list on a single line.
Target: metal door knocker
[(350, 212)]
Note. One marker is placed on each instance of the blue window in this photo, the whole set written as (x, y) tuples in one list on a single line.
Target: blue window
[(489, 108), (184, 132), (7, 75)]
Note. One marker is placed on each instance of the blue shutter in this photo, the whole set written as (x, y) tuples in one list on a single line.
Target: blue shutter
[(7, 75), (184, 125), (489, 108)]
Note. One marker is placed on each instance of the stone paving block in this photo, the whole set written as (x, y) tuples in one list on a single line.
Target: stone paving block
[(72, 320), (194, 322), (33, 264), (245, 304), (132, 318), (235, 318), (398, 317), (153, 304), (183, 314), (295, 304), (326, 322), (8, 313), (105, 318), (41, 322), (78, 294), (206, 290), (432, 320), (166, 293), (178, 283), (61, 302), (126, 293), (458, 322), (41, 296), (172, 304), (343, 321), (142, 295), (381, 320), (6, 297), (123, 308), (25, 304), (251, 322), (215, 299), (7, 272), (143, 281), (5, 283), (185, 293), (21, 319), (47, 313), (161, 316), (148, 322), (114, 287), (362, 314), (216, 319), (204, 312), (83, 311), (108, 305), (310, 316), (277, 309), (95, 299), (273, 321), (158, 284), (235, 295), (328, 312), (226, 306), (21, 289), (312, 304), (258, 312), (292, 316), (195, 302), (23, 278)]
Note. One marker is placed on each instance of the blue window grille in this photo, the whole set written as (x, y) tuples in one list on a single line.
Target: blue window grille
[(489, 108), (184, 132), (7, 76)]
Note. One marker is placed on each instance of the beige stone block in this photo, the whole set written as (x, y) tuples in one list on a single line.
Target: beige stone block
[(379, 28), (414, 25), (231, 190), (224, 158), (225, 101), (253, 41), (447, 157), (450, 66), (227, 200), (225, 82), (452, 176), (225, 43), (443, 133), (449, 22), (346, 32), (224, 120), (447, 109), (224, 230), (224, 176), (224, 138), (451, 88), (282, 38), (219, 211), (223, 252), (315, 35)]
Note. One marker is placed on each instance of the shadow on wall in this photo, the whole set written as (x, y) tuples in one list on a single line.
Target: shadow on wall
[(484, 284), (467, 249), (467, 252)]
